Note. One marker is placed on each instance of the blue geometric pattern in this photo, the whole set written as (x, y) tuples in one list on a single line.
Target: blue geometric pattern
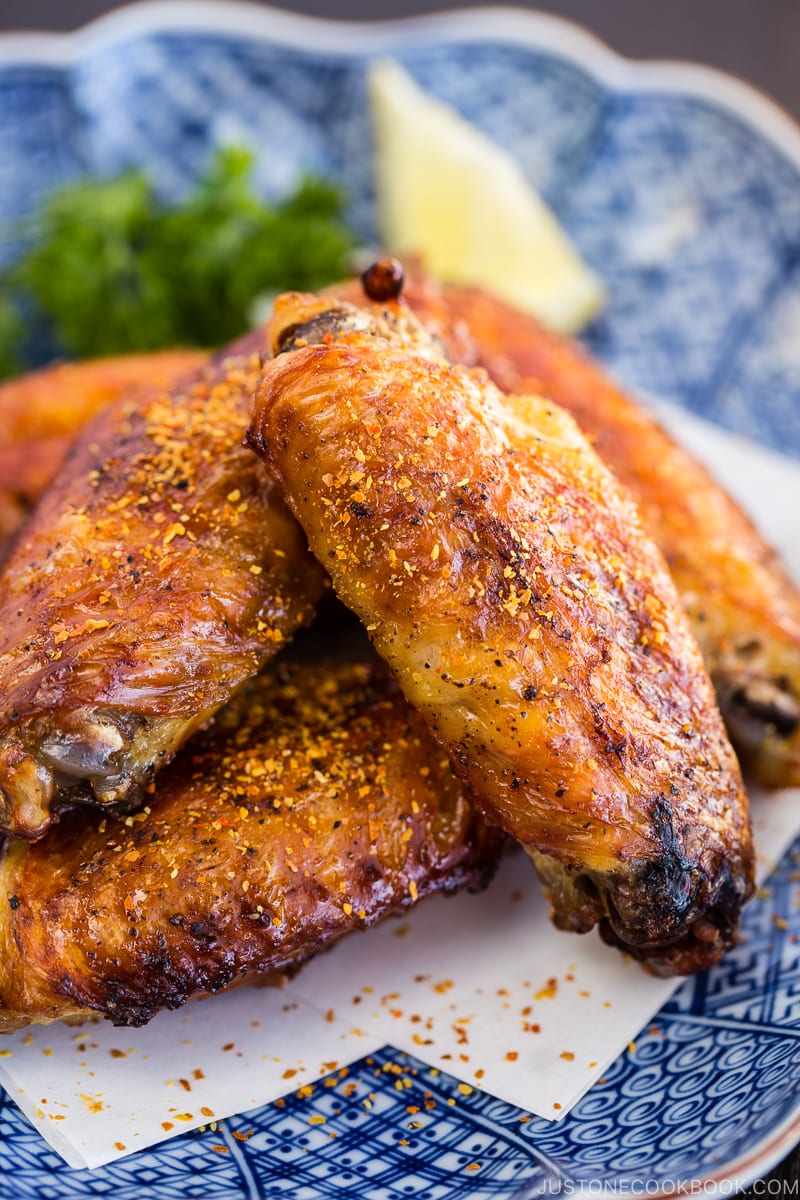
[(718, 1070), (693, 219)]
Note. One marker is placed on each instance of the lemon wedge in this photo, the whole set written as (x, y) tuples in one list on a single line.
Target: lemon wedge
[(449, 195)]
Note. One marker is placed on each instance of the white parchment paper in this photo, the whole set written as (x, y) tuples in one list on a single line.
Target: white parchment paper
[(480, 986)]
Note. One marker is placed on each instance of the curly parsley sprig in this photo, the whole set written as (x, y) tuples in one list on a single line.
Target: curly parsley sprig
[(111, 269)]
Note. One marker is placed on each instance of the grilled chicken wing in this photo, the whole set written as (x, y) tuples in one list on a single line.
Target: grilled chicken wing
[(41, 413), (159, 571), (503, 575), (744, 609), (317, 804)]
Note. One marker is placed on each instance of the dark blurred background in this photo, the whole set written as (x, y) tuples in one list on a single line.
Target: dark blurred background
[(758, 40)]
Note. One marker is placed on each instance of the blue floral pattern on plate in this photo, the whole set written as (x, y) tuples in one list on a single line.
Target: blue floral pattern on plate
[(692, 215)]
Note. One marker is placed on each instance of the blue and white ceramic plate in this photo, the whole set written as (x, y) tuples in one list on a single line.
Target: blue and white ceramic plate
[(682, 187)]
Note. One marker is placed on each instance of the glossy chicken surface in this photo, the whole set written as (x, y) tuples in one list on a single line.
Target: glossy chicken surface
[(41, 413), (503, 575), (744, 609), (316, 805), (159, 571)]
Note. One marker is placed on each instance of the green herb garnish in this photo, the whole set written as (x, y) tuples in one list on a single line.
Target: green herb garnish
[(113, 270)]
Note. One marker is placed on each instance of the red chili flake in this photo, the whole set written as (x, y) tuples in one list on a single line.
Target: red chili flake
[(220, 1149), (511, 1056)]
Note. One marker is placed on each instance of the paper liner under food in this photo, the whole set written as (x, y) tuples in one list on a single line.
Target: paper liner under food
[(481, 987)]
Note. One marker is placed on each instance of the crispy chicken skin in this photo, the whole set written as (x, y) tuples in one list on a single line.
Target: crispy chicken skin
[(159, 571), (41, 412), (503, 575), (317, 804), (744, 609)]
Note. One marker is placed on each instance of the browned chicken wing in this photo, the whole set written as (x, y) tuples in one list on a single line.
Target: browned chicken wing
[(41, 413), (316, 805), (744, 609), (159, 571), (503, 575)]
